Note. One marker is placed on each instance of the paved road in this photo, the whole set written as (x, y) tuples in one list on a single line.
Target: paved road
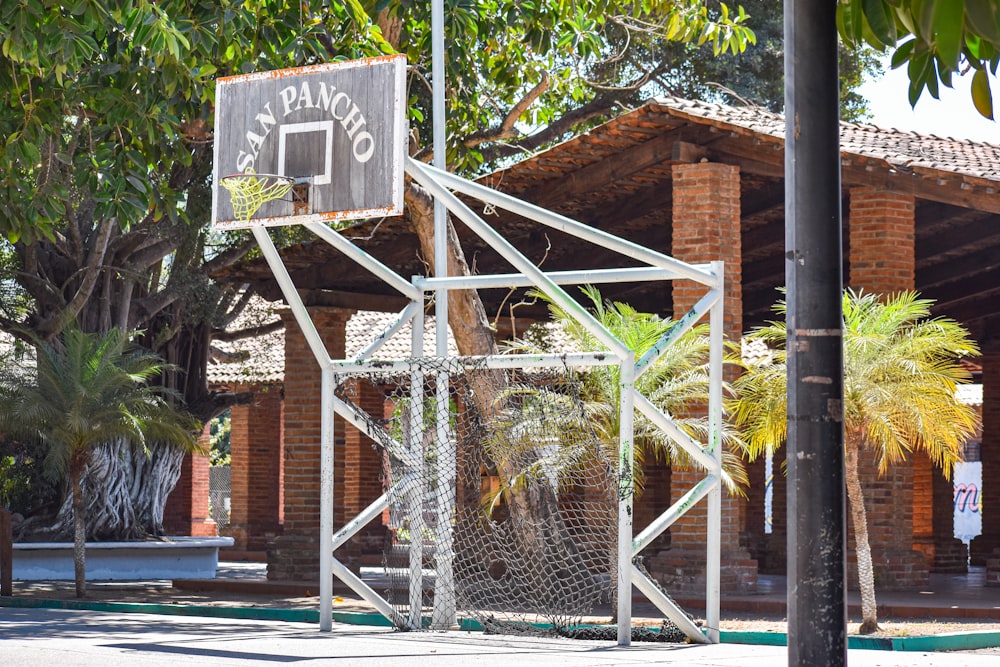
[(65, 638)]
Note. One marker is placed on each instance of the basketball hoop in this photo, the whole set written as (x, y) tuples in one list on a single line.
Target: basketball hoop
[(250, 191)]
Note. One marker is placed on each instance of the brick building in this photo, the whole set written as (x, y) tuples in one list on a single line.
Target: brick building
[(701, 182)]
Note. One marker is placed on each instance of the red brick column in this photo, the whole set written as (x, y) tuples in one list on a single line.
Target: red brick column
[(295, 554), (756, 516), (777, 541), (706, 227), (362, 483), (652, 501), (255, 471), (186, 511), (899, 504), (985, 549)]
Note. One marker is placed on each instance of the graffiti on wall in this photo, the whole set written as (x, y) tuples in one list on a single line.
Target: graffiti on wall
[(968, 496)]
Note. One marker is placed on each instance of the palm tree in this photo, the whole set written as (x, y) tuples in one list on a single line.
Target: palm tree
[(677, 383), (901, 370), (87, 389)]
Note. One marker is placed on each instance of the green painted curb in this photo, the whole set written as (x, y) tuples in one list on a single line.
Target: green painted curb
[(946, 642), (756, 638), (246, 613)]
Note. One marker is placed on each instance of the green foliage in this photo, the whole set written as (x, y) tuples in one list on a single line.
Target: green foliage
[(676, 382), (935, 39), (15, 484), (86, 389), (755, 74), (23, 487), (901, 370), (220, 447), (522, 74), (99, 100)]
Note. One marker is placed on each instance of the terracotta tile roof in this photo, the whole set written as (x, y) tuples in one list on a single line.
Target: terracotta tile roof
[(970, 394), (253, 360), (261, 360), (899, 149), (364, 325)]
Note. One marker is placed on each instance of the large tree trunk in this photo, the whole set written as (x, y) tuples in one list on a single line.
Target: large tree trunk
[(543, 535), (866, 572), (124, 492), (466, 314), (77, 466)]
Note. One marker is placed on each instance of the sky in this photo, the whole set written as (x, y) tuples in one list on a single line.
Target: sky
[(951, 116)]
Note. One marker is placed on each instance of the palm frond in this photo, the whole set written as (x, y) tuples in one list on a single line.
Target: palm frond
[(676, 382), (901, 371)]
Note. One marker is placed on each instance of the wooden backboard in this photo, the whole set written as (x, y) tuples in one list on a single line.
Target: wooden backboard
[(339, 129)]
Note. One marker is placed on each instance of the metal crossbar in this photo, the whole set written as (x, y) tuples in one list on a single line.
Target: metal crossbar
[(659, 267)]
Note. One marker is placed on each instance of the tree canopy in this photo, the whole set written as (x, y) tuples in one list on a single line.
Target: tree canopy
[(107, 111), (106, 104), (935, 39), (901, 371)]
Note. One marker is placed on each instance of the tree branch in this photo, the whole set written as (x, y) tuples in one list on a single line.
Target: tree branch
[(55, 322), (506, 128), (599, 106), (148, 307), (249, 332), (227, 258)]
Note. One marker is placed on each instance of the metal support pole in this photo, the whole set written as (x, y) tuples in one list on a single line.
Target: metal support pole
[(713, 529), (415, 496), (326, 501), (626, 489), (817, 608), (6, 553), (444, 589)]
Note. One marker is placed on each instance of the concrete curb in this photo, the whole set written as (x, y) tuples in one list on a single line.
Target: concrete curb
[(246, 613), (946, 642), (957, 641)]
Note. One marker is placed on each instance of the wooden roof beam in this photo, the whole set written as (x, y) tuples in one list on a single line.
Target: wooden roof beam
[(967, 266), (598, 175), (763, 200), (947, 295), (970, 308), (858, 170), (975, 233), (769, 270)]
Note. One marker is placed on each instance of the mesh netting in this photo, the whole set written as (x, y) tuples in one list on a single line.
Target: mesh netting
[(521, 475), (250, 191)]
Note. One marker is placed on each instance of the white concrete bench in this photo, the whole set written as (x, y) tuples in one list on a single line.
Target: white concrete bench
[(166, 558)]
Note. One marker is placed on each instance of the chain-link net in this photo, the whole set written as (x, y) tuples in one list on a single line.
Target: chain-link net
[(219, 493), (501, 483), (250, 191)]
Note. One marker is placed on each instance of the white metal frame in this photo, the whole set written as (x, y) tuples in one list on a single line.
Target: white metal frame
[(658, 267)]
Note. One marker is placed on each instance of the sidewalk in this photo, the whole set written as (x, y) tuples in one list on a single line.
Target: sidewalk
[(241, 591), (948, 596), (44, 637)]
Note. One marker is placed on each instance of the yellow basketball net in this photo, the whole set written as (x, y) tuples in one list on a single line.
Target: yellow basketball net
[(250, 191)]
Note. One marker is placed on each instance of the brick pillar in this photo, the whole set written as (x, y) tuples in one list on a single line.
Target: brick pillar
[(768, 547), (362, 483), (652, 501), (777, 541), (756, 518), (186, 511), (294, 555), (985, 548), (899, 504), (255, 472), (706, 227)]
